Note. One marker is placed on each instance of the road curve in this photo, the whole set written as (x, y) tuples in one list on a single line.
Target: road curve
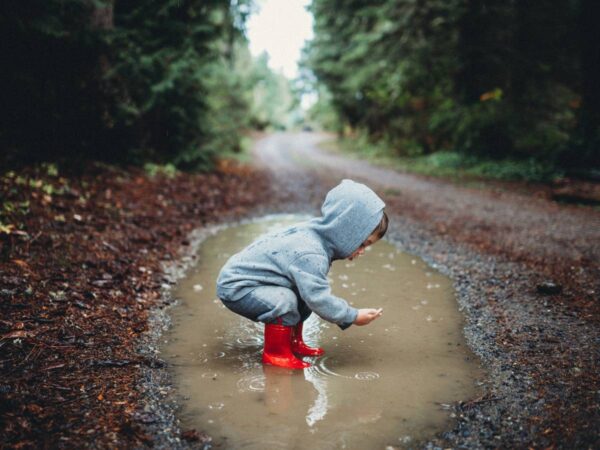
[(540, 351), (521, 224)]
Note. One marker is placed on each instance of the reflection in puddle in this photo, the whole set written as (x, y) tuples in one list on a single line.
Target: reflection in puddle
[(376, 386)]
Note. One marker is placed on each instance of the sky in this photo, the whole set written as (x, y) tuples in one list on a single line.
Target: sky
[(280, 27)]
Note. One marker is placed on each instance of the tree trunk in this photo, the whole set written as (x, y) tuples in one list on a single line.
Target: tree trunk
[(102, 16), (590, 66)]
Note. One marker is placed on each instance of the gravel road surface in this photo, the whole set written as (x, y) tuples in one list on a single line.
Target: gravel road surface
[(506, 252)]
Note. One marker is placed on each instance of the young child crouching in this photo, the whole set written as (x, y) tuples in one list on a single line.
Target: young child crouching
[(281, 278)]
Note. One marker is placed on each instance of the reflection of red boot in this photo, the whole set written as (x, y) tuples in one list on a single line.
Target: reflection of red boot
[(298, 345), (278, 350)]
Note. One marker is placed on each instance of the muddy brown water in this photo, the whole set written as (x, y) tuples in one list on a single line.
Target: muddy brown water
[(384, 384)]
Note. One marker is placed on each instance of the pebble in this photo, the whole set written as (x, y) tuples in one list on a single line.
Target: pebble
[(549, 288)]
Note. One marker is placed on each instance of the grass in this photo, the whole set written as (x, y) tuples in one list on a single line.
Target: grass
[(447, 164)]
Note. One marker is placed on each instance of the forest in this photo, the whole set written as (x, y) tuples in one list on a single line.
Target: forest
[(144, 143), (481, 78), (173, 81), (132, 82)]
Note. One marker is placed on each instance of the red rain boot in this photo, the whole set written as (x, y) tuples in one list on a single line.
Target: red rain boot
[(278, 350), (298, 345)]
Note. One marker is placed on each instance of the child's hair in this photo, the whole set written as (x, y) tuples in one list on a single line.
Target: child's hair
[(381, 229)]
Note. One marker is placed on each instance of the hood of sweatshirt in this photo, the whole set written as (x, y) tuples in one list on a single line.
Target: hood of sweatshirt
[(350, 213)]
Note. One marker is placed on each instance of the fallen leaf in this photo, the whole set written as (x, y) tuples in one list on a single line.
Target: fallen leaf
[(21, 263), (35, 409), (18, 334), (53, 366), (6, 229)]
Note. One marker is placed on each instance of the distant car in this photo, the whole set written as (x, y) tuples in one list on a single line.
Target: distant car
[(307, 128)]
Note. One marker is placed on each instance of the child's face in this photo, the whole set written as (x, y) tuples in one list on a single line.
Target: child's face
[(360, 250)]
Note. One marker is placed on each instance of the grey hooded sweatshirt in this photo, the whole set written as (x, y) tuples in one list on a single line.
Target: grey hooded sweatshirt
[(299, 257)]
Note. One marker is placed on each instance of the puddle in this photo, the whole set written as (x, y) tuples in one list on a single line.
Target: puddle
[(385, 384)]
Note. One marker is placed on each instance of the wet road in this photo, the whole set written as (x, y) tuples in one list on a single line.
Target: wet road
[(377, 386), (540, 351), (523, 224)]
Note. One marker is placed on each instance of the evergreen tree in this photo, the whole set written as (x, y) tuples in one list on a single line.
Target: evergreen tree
[(488, 78), (121, 80)]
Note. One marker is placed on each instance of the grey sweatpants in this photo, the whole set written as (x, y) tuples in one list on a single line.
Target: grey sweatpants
[(268, 303)]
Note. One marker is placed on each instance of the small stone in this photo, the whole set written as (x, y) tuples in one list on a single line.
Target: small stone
[(549, 288), (191, 435)]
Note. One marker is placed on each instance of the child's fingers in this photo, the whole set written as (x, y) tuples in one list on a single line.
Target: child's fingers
[(375, 313), (368, 315)]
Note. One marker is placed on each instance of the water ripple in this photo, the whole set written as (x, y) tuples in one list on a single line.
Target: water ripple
[(254, 383), (320, 369), (245, 337), (264, 443), (282, 443), (366, 376), (249, 341), (216, 405)]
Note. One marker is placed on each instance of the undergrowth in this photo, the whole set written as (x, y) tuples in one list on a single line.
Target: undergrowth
[(448, 163)]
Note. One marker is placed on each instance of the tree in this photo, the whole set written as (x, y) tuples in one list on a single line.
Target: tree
[(121, 80), (487, 78)]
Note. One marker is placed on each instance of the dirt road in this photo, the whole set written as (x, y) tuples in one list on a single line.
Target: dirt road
[(522, 225), (540, 350)]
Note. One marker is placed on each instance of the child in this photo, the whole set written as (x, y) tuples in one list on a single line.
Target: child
[(282, 277)]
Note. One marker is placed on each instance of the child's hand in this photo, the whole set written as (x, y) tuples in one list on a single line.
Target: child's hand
[(367, 315)]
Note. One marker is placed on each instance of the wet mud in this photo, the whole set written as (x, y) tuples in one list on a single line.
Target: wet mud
[(539, 352), (386, 384)]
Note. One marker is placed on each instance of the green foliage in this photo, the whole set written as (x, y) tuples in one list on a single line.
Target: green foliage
[(483, 129), (51, 169), (449, 163), (379, 68), (15, 208), (180, 90), (272, 97), (166, 170), (510, 169), (493, 79), (321, 114), (122, 81)]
